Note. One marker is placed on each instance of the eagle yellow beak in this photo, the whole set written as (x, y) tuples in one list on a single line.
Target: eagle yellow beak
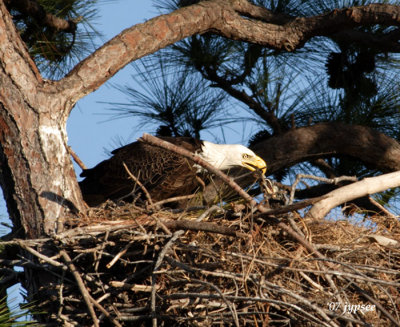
[(254, 163)]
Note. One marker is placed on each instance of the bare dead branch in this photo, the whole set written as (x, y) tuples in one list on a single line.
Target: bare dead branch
[(119, 255), (335, 180), (78, 161), (367, 186), (41, 256), (104, 312)]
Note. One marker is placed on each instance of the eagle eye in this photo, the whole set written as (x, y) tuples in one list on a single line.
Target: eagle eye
[(246, 156)]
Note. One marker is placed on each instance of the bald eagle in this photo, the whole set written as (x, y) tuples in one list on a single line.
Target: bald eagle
[(163, 173)]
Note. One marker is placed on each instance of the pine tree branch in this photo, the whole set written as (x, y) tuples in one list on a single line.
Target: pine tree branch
[(223, 17), (324, 140)]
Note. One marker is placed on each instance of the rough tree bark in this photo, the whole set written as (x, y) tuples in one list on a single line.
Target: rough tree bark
[(37, 176), (324, 140)]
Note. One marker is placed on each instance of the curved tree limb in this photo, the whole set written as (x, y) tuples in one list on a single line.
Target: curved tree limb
[(366, 203), (324, 140), (223, 17)]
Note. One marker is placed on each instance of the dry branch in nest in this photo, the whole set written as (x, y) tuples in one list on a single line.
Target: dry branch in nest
[(134, 272)]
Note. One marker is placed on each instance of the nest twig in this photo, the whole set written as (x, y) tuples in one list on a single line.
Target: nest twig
[(198, 277)]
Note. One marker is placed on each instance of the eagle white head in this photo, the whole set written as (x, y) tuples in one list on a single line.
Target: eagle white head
[(226, 156)]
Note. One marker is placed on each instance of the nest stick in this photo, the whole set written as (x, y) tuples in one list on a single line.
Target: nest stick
[(104, 311), (174, 199), (81, 285), (37, 254), (160, 259), (335, 181), (78, 161), (195, 158), (119, 255), (136, 180), (229, 181)]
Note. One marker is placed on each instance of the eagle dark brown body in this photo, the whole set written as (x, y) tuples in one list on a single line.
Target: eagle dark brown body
[(163, 173)]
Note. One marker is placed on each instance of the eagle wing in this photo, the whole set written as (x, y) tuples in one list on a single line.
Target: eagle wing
[(163, 173)]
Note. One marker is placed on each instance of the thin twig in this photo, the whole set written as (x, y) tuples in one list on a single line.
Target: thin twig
[(78, 161), (386, 212), (160, 258), (105, 312), (335, 180), (41, 256), (102, 247), (136, 180), (198, 160), (119, 255), (174, 199), (228, 304)]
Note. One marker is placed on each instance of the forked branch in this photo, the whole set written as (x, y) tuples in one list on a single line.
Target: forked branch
[(367, 186)]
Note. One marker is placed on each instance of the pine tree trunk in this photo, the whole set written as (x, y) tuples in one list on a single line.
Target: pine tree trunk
[(36, 172), (37, 175)]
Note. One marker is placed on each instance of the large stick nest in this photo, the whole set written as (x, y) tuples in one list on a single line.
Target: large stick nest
[(176, 269)]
